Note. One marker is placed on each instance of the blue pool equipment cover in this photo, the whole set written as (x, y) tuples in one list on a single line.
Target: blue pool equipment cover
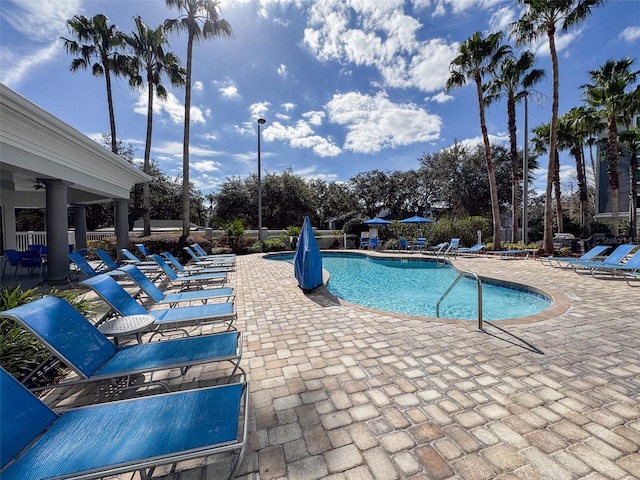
[(307, 260)]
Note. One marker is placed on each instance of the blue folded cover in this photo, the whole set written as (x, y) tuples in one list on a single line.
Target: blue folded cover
[(307, 260)]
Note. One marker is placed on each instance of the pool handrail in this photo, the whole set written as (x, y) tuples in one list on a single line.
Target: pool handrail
[(455, 282)]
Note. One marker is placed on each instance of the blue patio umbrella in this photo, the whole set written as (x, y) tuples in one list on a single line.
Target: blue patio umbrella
[(307, 260), (416, 219), (377, 221)]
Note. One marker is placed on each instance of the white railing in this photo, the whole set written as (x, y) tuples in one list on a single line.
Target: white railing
[(24, 239)]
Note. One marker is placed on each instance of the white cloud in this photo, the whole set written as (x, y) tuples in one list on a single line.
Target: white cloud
[(301, 135), (259, 110), (441, 97), (630, 34), (41, 21), (229, 91), (170, 106), (314, 117), (374, 122), (501, 18), (282, 70), (19, 65), (385, 39), (501, 139), (288, 106), (198, 86), (563, 40), (206, 165)]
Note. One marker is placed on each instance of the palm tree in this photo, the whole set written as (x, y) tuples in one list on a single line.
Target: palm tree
[(575, 137), (201, 20), (512, 79), (607, 92), (478, 56), (541, 18), (149, 63), (540, 143), (97, 40), (631, 140)]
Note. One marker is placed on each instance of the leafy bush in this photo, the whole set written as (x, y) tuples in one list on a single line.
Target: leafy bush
[(20, 351)]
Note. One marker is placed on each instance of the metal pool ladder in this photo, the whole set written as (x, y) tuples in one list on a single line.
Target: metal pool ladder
[(455, 282)]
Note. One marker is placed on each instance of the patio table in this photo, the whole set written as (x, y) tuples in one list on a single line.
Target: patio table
[(127, 325)]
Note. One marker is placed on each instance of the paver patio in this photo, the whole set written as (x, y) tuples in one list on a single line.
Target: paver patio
[(343, 392)]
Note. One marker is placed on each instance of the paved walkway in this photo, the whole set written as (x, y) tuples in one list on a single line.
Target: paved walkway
[(342, 392)]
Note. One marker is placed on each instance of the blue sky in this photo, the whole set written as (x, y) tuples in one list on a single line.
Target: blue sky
[(345, 86)]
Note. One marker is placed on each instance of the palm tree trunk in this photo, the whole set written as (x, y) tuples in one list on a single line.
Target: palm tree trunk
[(558, 195), (493, 188), (581, 170), (146, 192), (612, 170), (547, 241), (112, 116), (185, 148)]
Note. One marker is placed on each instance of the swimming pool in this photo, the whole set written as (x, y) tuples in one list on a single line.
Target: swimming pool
[(414, 286)]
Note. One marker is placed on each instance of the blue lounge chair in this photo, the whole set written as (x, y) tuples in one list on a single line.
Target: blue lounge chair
[(229, 260), (166, 318), (477, 248), (108, 439), (202, 254), (586, 257), (194, 269), (614, 258), (452, 248), (439, 248), (421, 244), (107, 264), (373, 243), (402, 243), (632, 266), (188, 281), (364, 242), (143, 249), (30, 259), (81, 346), (84, 269), (173, 299)]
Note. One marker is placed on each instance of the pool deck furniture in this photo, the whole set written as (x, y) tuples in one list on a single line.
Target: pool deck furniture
[(590, 255), (81, 346), (125, 326), (108, 439), (630, 265), (120, 301), (558, 389), (186, 282), (194, 269), (211, 260), (476, 249), (614, 258)]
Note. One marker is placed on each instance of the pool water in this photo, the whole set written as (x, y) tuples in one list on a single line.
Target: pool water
[(414, 287)]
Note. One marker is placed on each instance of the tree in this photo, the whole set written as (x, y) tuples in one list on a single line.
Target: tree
[(370, 191), (148, 65), (97, 40), (478, 56), (540, 19), (579, 130), (200, 19), (608, 93), (513, 79), (540, 143)]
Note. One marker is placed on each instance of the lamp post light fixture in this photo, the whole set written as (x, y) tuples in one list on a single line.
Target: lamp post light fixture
[(525, 169), (261, 121)]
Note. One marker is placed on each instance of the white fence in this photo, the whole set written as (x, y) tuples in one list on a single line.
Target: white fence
[(24, 239)]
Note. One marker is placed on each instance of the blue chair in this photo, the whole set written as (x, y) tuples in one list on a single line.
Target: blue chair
[(202, 254), (586, 257), (452, 248), (373, 243), (614, 258), (194, 269), (80, 345), (108, 439), (631, 265), (173, 299), (364, 242), (477, 248), (421, 244), (402, 242), (188, 281), (108, 263), (211, 259), (143, 249), (13, 259), (166, 318), (84, 270)]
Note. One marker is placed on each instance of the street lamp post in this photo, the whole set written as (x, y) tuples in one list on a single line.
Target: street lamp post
[(261, 121), (525, 169)]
